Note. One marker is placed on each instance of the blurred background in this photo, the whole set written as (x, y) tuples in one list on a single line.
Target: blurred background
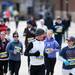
[(25, 8)]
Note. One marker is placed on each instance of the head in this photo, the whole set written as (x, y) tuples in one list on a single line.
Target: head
[(49, 33), (40, 34), (42, 21), (59, 20), (15, 36), (71, 41), (1, 21), (2, 35), (8, 31), (29, 24)]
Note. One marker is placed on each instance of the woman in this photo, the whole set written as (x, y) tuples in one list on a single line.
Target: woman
[(14, 49), (51, 47)]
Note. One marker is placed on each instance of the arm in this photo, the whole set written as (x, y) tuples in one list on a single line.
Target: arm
[(8, 48), (30, 46)]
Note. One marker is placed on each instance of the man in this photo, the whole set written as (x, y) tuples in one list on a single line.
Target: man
[(36, 52), (68, 57)]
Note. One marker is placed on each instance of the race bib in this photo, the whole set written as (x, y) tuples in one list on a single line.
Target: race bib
[(72, 61), (3, 54), (48, 50), (59, 29), (30, 40), (17, 49)]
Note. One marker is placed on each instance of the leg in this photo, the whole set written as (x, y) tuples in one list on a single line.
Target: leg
[(5, 66), (17, 67), (42, 70), (33, 70), (11, 67), (65, 72), (1, 68), (52, 62)]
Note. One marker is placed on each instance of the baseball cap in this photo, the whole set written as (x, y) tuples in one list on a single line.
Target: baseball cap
[(71, 38), (39, 32)]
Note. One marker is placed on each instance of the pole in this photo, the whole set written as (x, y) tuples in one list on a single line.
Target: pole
[(67, 7)]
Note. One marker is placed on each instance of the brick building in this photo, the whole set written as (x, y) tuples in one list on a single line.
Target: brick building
[(54, 7)]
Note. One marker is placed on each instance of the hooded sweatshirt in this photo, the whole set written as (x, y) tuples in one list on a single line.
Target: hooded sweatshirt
[(51, 43)]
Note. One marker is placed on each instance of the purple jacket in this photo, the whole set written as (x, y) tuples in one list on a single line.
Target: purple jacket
[(51, 43)]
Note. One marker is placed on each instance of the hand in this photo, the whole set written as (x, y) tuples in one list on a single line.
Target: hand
[(66, 62), (49, 50), (15, 52), (37, 53)]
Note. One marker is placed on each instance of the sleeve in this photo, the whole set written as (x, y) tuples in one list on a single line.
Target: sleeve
[(30, 46), (62, 53), (25, 31), (8, 48), (21, 48), (56, 47)]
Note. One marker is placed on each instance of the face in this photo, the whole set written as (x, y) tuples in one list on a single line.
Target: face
[(70, 43), (49, 33), (3, 35), (41, 37), (15, 37), (29, 26), (59, 21)]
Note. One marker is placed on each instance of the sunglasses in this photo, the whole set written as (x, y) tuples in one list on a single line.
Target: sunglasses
[(15, 36)]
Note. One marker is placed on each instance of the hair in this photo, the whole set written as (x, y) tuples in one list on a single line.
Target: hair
[(8, 29), (50, 30), (15, 33)]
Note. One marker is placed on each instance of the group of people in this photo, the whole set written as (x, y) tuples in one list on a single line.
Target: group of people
[(10, 54), (41, 45)]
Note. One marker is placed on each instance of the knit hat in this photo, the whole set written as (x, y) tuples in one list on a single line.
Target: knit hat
[(39, 32)]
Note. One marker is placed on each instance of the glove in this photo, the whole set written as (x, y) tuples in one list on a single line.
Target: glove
[(37, 53), (66, 62)]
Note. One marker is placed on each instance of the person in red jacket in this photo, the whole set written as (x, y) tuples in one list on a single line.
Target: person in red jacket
[(3, 27)]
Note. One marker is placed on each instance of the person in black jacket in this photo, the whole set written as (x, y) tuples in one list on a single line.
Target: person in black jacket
[(48, 21), (66, 22), (58, 29), (29, 34)]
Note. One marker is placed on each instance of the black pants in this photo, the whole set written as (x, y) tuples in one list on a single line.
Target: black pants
[(49, 65), (14, 67), (3, 67), (37, 70)]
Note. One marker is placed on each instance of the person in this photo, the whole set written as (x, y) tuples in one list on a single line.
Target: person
[(48, 21), (58, 29), (15, 49), (35, 50), (29, 34), (67, 23), (33, 21), (67, 55), (3, 27), (8, 36), (16, 17), (51, 47), (42, 26), (3, 54)]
